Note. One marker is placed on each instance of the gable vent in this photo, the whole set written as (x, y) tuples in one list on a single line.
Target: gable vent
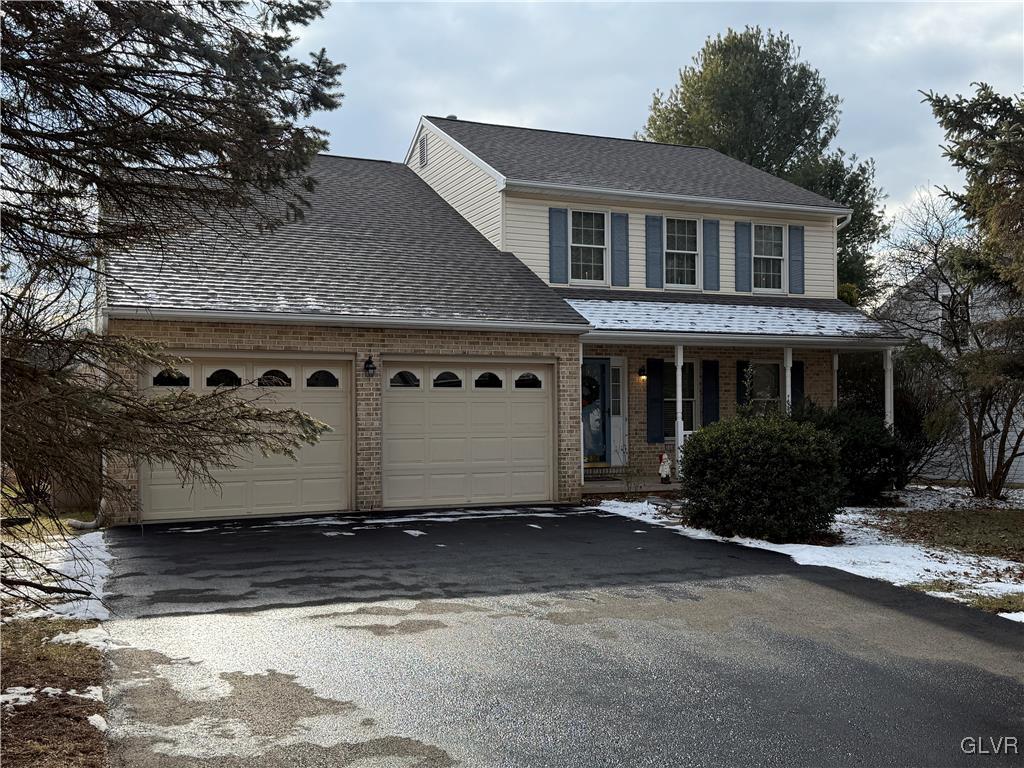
[(423, 150)]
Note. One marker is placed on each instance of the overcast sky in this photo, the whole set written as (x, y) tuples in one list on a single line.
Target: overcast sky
[(591, 68)]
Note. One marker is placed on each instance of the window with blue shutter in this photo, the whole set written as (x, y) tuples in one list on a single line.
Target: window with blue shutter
[(796, 374), (709, 409), (743, 243), (655, 254), (741, 382), (620, 249), (796, 259), (711, 268), (558, 245), (655, 401)]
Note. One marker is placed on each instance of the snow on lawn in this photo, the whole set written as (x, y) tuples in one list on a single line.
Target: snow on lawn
[(868, 552), (83, 560)]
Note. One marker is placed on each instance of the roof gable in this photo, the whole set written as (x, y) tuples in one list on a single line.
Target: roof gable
[(553, 158)]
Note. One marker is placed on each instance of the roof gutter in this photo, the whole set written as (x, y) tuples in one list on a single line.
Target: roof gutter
[(741, 340), (521, 185), (296, 318)]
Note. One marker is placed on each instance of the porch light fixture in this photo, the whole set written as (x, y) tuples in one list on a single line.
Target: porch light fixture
[(643, 373), (369, 367)]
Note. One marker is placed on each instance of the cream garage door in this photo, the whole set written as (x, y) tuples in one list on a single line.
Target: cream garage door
[(276, 485), (463, 433)]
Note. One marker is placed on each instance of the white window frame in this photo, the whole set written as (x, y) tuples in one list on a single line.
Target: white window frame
[(437, 371), (184, 370), (785, 256), (392, 371), (309, 370), (517, 372), (242, 371), (607, 246), (501, 373), (782, 383), (671, 439), (699, 256), (262, 368)]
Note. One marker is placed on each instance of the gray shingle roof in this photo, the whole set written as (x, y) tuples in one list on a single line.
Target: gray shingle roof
[(378, 242), (782, 316), (571, 159)]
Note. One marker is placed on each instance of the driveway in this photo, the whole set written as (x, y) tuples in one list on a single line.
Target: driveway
[(559, 637)]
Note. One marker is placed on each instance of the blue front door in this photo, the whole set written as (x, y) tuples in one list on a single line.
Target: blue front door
[(595, 410)]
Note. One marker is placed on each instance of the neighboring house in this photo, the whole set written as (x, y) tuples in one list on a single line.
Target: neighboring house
[(940, 311), (459, 317)]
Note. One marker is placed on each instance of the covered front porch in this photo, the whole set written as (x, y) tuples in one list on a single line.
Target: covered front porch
[(643, 391)]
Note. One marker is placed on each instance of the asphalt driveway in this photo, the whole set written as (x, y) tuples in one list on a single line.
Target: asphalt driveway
[(550, 638)]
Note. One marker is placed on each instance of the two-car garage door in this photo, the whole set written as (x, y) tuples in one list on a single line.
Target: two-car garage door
[(453, 433), (464, 433), (274, 485)]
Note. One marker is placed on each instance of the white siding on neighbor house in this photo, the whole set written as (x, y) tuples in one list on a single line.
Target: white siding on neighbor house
[(467, 188), (526, 235)]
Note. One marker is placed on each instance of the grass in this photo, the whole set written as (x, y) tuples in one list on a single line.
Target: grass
[(1009, 603), (989, 532), (52, 731)]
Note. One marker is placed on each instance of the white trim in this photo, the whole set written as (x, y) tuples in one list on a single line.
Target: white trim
[(488, 169), (457, 371), (699, 283), (736, 340), (391, 371), (297, 318), (607, 248), (476, 373), (522, 185)]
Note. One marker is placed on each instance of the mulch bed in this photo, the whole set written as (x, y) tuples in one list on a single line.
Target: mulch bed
[(52, 731)]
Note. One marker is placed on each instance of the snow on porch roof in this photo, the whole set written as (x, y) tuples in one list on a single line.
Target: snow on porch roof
[(784, 317)]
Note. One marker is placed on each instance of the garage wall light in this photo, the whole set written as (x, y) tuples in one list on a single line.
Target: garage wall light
[(369, 367)]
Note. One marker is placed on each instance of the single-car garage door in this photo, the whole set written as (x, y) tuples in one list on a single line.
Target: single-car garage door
[(258, 485), (465, 433)]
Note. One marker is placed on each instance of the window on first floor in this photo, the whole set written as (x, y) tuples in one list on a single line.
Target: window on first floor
[(765, 382), (768, 258), (689, 403), (616, 390)]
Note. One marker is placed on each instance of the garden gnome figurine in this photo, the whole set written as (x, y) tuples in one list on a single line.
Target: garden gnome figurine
[(665, 468)]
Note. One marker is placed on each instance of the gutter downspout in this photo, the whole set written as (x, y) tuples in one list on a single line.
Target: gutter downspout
[(842, 221)]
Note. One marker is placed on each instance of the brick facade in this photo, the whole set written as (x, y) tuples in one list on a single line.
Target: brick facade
[(561, 350), (817, 384)]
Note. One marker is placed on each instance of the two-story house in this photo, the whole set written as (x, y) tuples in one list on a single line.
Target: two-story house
[(488, 321)]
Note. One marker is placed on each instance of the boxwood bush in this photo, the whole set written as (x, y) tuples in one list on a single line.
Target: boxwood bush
[(766, 477)]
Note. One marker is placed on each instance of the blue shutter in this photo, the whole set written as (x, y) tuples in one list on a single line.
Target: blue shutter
[(796, 378), (655, 254), (708, 392), (711, 255), (558, 245), (796, 259), (620, 249), (741, 381), (655, 403), (743, 245)]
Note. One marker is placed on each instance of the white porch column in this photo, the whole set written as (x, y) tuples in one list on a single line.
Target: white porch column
[(835, 379), (679, 408), (890, 415), (787, 364)]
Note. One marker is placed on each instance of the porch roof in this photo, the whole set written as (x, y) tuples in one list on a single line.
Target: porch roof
[(791, 319)]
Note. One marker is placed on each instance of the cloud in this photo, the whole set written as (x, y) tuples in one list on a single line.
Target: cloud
[(592, 68)]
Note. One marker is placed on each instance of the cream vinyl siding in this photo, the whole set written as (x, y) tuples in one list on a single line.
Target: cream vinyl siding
[(463, 185), (526, 235)]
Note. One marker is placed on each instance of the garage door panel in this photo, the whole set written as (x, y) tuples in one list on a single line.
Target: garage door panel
[(405, 450), (317, 480), (448, 450), (526, 485), (447, 416), (482, 445), (490, 449), (405, 416)]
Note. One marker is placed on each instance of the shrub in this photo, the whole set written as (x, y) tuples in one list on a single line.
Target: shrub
[(872, 459), (764, 476)]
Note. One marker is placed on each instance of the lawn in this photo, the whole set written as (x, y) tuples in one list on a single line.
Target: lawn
[(57, 685), (980, 531)]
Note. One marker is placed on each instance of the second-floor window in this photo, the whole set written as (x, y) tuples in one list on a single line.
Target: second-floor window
[(681, 252), (588, 247), (768, 258)]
